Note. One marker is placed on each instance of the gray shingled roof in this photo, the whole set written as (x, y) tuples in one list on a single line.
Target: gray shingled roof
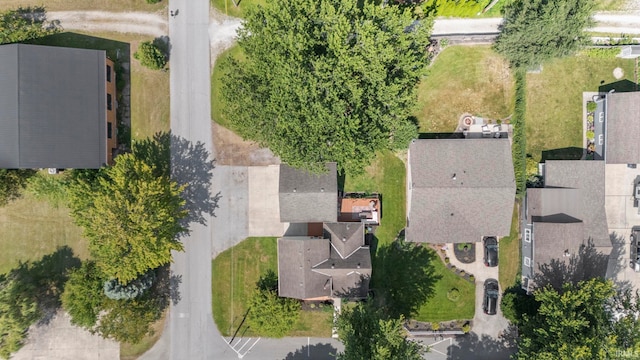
[(623, 128), (345, 237), (308, 197), (587, 177), (52, 107), (296, 257), (311, 268), (561, 205), (459, 190), (553, 239)]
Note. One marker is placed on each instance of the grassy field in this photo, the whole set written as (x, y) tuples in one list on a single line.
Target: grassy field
[(462, 79), (106, 5), (509, 254), (227, 6), (439, 307), (217, 103), (554, 99), (386, 175), (150, 109), (235, 273), (30, 229)]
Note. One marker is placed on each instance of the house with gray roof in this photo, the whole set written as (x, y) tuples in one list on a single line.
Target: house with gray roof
[(57, 107), (459, 190), (622, 128), (306, 197), (565, 215), (338, 264)]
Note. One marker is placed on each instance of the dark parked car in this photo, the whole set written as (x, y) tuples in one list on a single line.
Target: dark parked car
[(490, 251), (490, 302)]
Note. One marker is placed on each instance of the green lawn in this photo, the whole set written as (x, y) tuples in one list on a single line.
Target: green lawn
[(386, 176), (30, 229), (235, 273), (227, 6), (554, 99), (459, 8), (439, 307), (471, 79), (217, 103), (108, 5), (509, 254), (150, 111)]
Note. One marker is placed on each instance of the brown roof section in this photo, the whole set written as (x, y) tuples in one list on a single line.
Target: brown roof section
[(312, 268), (459, 190), (623, 128), (345, 237), (296, 257)]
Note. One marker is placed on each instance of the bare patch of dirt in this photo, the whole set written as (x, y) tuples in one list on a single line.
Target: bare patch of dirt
[(231, 149)]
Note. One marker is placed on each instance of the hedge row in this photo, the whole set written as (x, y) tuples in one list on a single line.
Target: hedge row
[(518, 149), (601, 53)]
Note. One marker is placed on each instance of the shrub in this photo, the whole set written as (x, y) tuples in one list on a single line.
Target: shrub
[(435, 326), (447, 260), (591, 107), (466, 328), (116, 291), (601, 53), (472, 278), (519, 140), (271, 315), (453, 294), (150, 56), (153, 1), (51, 188), (590, 135)]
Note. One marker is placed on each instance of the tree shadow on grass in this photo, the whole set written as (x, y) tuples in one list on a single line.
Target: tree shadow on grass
[(403, 277), (316, 351), (472, 346), (44, 280)]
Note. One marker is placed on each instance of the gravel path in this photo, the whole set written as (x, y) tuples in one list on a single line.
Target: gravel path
[(222, 28)]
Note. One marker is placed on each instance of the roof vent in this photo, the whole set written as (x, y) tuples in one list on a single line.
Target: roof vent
[(294, 189), (451, 214), (333, 266), (358, 265), (453, 177), (321, 189), (344, 239)]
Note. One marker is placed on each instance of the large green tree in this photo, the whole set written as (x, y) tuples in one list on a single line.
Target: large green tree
[(327, 80), (131, 215), (24, 24), (366, 334), (83, 295), (12, 182), (271, 315), (18, 310), (534, 31), (571, 323)]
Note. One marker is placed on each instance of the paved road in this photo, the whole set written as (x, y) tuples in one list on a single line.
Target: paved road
[(192, 334)]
